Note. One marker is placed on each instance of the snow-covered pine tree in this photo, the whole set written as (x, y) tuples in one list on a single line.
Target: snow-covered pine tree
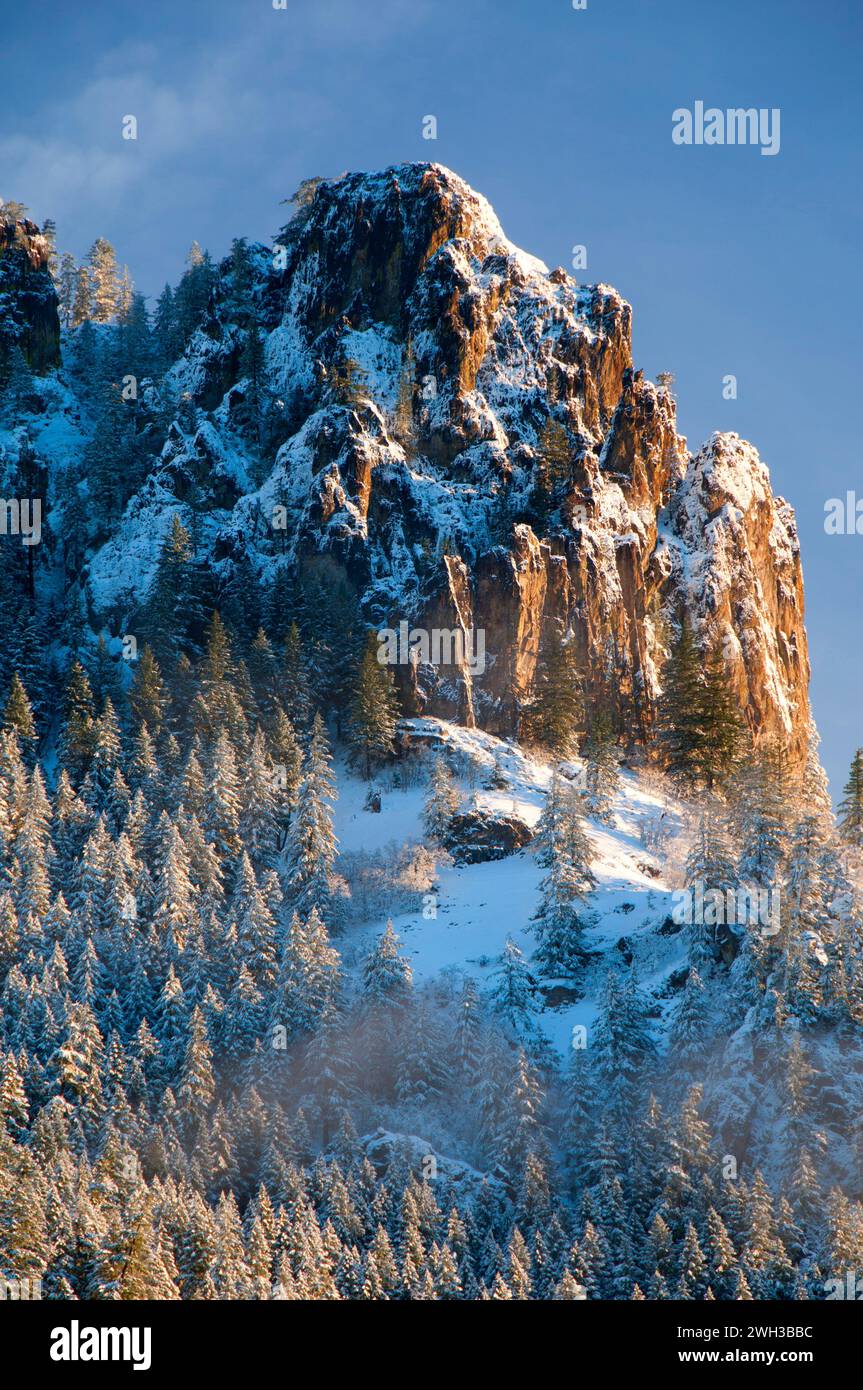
[(564, 850), (293, 681), (762, 813), (374, 712), (254, 924), (259, 802), (18, 716), (147, 694), (851, 805), (442, 801), (602, 772), (513, 992), (387, 975), (623, 1048), (222, 800), (104, 281), (710, 869), (78, 735), (311, 846)]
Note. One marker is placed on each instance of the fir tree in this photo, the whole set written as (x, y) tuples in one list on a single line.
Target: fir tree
[(311, 848), (104, 280), (442, 801), (18, 714), (700, 727), (513, 992), (78, 737), (554, 714), (851, 805), (147, 695), (602, 777), (387, 976), (374, 712)]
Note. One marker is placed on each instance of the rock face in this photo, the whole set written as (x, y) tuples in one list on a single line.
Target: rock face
[(28, 300), (426, 485), (476, 837)]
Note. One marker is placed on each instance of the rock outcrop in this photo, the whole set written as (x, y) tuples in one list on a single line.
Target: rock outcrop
[(477, 837), (28, 300), (426, 367)]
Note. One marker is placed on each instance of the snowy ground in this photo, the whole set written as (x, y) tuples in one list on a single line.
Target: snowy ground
[(480, 905)]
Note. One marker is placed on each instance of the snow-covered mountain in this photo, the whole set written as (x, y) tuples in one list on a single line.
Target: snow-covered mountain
[(422, 371), (224, 959)]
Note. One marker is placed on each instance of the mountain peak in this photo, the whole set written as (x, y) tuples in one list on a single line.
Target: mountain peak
[(457, 436)]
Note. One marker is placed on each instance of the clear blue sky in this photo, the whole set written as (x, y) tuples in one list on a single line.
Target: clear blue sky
[(734, 262)]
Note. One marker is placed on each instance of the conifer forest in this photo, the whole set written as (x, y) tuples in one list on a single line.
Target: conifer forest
[(419, 880)]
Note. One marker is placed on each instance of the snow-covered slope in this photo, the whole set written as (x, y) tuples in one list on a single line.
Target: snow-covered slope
[(477, 906)]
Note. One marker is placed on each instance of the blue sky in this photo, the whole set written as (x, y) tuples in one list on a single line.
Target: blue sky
[(734, 262)]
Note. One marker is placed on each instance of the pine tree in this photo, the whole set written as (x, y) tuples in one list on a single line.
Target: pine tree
[(254, 925), (566, 852), (173, 606), (387, 976), (700, 731), (554, 714), (107, 753), (287, 768), (17, 391), (762, 813), (14, 1109), (311, 848), (724, 730), (710, 870), (623, 1048), (222, 805), (259, 802), (18, 714), (82, 306), (173, 890), (374, 712), (104, 280), (513, 992), (67, 278), (166, 330), (851, 805), (442, 801), (804, 922), (78, 738), (263, 672), (197, 1084), (147, 695), (293, 681), (521, 1133), (688, 1031), (602, 774)]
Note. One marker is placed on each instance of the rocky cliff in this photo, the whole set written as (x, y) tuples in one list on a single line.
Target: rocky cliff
[(427, 371), (28, 302)]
